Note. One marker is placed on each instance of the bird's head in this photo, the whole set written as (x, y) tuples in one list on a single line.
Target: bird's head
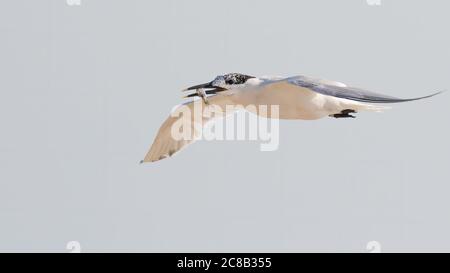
[(221, 83)]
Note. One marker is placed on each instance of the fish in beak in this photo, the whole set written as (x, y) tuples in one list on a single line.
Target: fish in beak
[(200, 92)]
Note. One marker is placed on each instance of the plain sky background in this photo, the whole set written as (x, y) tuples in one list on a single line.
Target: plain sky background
[(84, 89)]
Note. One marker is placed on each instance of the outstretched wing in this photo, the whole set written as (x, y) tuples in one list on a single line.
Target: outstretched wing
[(340, 90), (166, 144)]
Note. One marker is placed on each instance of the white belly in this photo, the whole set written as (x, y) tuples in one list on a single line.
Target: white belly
[(294, 102)]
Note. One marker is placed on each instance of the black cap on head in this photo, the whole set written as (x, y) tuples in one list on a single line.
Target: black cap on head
[(236, 78)]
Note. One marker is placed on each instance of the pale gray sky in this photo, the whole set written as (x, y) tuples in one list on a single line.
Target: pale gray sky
[(85, 88)]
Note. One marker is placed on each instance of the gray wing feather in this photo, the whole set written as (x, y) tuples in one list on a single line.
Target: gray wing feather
[(350, 93)]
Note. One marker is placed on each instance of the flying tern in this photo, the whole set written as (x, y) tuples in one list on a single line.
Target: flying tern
[(297, 97)]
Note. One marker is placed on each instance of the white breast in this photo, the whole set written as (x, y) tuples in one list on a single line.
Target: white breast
[(294, 102)]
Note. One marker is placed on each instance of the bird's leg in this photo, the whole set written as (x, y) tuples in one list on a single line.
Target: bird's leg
[(344, 114)]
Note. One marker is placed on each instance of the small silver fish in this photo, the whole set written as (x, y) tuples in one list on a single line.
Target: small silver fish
[(202, 94)]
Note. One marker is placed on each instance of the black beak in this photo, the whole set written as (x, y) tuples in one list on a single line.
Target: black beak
[(200, 86), (212, 89)]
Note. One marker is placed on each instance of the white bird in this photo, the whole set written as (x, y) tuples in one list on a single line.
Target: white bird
[(297, 97)]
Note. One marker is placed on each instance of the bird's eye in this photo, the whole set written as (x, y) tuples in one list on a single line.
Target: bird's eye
[(229, 81)]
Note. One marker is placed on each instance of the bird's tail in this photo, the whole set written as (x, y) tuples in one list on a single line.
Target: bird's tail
[(380, 108)]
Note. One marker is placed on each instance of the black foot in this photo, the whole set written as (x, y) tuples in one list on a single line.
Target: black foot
[(344, 114)]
